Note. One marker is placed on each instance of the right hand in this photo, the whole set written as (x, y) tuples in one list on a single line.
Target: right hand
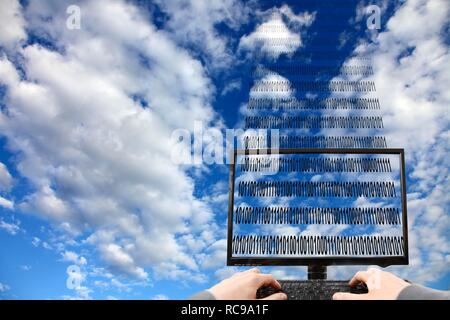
[(381, 285)]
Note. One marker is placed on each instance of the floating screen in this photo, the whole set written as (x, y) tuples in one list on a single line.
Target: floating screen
[(317, 206)]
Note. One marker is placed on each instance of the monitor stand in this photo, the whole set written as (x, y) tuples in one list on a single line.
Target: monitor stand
[(317, 272)]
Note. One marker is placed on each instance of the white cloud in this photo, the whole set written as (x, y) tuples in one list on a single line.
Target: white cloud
[(46, 203), (12, 228), (5, 203), (35, 241), (286, 273), (362, 12), (100, 272), (194, 25), (6, 182), (25, 267), (120, 285), (281, 25), (297, 20), (267, 79), (6, 179), (71, 256), (81, 293), (216, 255), (160, 297), (101, 284), (4, 287), (174, 272), (116, 257), (78, 277), (231, 86), (256, 93), (98, 161), (412, 76), (12, 23)]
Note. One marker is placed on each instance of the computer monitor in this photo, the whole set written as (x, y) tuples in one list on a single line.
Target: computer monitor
[(317, 207)]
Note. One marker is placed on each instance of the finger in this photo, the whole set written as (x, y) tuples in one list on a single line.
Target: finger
[(360, 276), (267, 280), (276, 296), (349, 296)]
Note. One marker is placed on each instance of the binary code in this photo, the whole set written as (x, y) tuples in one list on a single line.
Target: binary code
[(327, 185)]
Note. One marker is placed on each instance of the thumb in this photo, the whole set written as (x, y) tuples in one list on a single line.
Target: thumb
[(276, 296), (349, 296)]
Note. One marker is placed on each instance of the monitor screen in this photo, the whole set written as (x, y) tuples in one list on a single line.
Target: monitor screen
[(317, 206)]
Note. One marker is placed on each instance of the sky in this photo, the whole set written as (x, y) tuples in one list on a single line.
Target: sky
[(92, 205)]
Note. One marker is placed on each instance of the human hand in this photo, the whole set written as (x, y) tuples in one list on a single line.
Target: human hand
[(381, 285), (243, 286)]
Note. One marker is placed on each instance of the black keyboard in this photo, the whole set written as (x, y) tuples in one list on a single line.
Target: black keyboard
[(311, 289)]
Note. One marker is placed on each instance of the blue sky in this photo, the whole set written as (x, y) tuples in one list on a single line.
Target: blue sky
[(86, 177)]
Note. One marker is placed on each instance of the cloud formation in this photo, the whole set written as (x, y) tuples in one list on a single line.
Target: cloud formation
[(6, 179), (412, 74), (280, 32), (92, 117), (12, 24), (194, 24), (10, 227)]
